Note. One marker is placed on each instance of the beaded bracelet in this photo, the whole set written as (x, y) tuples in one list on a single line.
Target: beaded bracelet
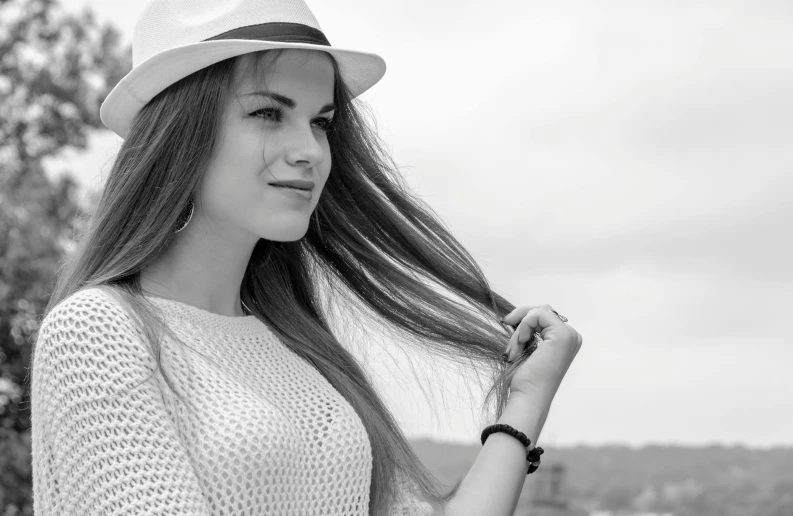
[(520, 436), (533, 456)]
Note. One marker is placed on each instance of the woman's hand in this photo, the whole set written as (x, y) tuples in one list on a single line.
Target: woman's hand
[(548, 364)]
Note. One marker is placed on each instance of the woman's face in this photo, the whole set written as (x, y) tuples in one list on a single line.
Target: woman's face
[(274, 129)]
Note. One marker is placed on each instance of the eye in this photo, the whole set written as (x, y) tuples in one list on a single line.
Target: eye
[(269, 113), (274, 114), (325, 124)]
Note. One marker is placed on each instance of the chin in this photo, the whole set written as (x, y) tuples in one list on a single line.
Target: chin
[(286, 232)]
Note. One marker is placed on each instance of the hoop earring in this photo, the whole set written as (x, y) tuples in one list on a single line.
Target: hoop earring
[(187, 220)]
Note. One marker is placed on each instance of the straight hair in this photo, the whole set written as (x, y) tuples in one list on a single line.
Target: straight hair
[(371, 242)]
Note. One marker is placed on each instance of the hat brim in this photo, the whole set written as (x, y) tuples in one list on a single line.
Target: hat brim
[(360, 70)]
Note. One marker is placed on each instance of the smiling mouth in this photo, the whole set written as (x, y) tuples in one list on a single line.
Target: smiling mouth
[(305, 194), (292, 188), (295, 184)]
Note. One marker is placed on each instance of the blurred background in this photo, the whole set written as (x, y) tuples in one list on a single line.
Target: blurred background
[(628, 163)]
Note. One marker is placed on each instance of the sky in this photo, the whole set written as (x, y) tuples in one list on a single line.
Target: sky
[(627, 163)]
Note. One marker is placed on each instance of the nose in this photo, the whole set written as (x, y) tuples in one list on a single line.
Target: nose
[(305, 149)]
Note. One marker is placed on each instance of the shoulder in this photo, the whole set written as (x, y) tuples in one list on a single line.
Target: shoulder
[(88, 307), (89, 317)]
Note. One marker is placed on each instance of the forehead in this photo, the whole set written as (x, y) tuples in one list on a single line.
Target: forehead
[(291, 68)]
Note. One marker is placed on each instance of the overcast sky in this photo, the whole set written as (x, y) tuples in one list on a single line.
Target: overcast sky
[(628, 163)]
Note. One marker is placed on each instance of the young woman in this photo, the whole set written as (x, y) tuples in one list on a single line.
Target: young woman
[(186, 363)]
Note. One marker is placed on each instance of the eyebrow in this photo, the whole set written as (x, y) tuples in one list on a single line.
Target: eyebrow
[(286, 101)]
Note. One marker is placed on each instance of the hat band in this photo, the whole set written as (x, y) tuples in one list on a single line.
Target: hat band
[(277, 31)]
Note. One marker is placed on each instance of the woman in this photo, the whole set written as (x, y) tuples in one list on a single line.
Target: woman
[(186, 363)]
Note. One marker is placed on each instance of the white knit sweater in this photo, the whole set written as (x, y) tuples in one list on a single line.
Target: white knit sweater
[(270, 435)]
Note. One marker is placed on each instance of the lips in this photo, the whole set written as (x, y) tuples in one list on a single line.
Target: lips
[(297, 184)]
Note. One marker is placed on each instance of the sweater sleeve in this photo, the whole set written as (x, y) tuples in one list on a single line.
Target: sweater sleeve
[(102, 441)]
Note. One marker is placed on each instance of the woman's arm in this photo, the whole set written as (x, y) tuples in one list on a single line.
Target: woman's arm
[(493, 484), (102, 440)]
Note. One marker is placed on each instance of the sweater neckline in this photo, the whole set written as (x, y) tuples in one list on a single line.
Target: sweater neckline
[(209, 321)]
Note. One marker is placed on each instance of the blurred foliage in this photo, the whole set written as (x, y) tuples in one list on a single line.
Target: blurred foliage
[(56, 67)]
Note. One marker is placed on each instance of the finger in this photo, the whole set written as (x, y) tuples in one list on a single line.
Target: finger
[(516, 315), (513, 348), (525, 336), (516, 346), (535, 321), (523, 332), (526, 331)]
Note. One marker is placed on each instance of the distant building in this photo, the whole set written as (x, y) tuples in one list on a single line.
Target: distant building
[(629, 513), (543, 494)]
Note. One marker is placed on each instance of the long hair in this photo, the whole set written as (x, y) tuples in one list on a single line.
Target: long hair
[(370, 240)]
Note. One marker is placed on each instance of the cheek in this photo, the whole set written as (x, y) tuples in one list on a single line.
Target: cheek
[(232, 180), (323, 170)]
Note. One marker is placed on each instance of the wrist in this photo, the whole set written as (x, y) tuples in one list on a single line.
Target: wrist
[(542, 388), (527, 412)]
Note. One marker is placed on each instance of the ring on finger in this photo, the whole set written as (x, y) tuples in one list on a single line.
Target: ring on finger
[(560, 316)]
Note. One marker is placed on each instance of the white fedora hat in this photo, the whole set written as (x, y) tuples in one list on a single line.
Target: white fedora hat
[(174, 38)]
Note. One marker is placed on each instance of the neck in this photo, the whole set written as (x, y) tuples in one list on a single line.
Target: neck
[(203, 267)]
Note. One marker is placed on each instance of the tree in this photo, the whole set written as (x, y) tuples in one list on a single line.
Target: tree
[(55, 70)]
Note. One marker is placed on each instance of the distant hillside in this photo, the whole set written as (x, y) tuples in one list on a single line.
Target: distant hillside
[(686, 481)]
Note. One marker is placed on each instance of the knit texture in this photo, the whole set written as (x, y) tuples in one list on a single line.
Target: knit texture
[(268, 435)]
